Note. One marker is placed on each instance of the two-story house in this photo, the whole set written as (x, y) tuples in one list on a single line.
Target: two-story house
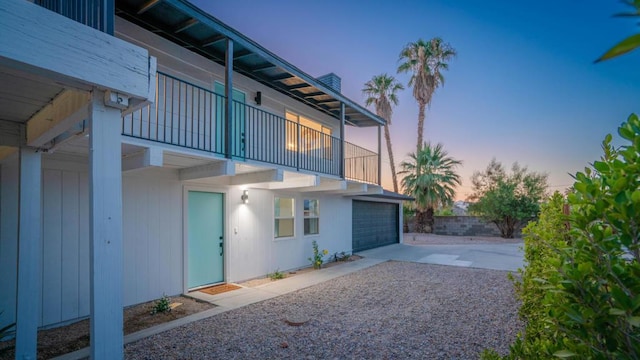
[(146, 148)]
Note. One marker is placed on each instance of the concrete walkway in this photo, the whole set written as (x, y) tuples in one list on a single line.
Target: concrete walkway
[(486, 256), (243, 297)]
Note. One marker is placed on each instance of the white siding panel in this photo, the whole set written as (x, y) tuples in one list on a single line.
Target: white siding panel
[(8, 240), (52, 247), (83, 246), (65, 261), (152, 213), (70, 240)]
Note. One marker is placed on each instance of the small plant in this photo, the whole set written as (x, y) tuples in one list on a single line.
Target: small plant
[(318, 256), (162, 305), (276, 275), (342, 256)]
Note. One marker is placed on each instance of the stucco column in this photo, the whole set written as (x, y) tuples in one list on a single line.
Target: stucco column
[(29, 253)]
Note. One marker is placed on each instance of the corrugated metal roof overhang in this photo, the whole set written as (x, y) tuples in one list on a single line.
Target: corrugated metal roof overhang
[(198, 31)]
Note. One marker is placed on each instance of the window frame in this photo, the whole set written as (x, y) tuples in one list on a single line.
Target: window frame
[(276, 218), (307, 216)]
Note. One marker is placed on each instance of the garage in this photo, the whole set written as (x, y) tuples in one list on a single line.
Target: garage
[(374, 224)]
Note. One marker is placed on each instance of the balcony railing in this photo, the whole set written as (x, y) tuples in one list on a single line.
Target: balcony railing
[(193, 117), (98, 14)]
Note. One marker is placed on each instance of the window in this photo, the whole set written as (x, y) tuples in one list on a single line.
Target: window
[(313, 135), (311, 217), (284, 216)]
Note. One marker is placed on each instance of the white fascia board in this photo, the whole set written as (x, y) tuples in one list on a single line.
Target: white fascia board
[(39, 41), (265, 176), (146, 158), (219, 168)]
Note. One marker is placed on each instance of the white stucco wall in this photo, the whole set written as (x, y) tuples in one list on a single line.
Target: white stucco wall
[(153, 235)]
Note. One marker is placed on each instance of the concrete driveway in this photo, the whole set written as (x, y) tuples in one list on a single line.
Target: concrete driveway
[(485, 256)]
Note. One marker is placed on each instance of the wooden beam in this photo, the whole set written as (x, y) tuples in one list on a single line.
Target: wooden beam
[(220, 168), (313, 94), (12, 133), (146, 158), (6, 151), (213, 40), (185, 25), (299, 86), (147, 6), (67, 109), (105, 230), (29, 253), (263, 67), (280, 77), (71, 53), (257, 177), (241, 54)]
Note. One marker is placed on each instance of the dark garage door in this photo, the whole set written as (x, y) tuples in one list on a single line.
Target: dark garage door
[(374, 224)]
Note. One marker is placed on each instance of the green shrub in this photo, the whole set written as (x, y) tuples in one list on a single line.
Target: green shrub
[(580, 290), (162, 305), (276, 275)]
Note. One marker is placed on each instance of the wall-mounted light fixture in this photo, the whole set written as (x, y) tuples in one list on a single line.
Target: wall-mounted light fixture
[(258, 98), (245, 196)]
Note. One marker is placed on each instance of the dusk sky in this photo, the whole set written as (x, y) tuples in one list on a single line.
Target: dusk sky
[(522, 88)]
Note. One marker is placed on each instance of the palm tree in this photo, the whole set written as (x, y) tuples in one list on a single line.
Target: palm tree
[(430, 177), (425, 60), (381, 91)]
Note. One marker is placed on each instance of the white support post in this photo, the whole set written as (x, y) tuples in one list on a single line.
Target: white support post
[(105, 213), (29, 253), (379, 156)]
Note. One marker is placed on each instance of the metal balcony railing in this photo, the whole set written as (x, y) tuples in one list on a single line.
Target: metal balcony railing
[(98, 14), (193, 117)]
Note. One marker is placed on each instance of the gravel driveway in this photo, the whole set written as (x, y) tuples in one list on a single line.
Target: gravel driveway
[(393, 310)]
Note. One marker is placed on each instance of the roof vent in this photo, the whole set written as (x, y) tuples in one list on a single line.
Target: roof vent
[(331, 80)]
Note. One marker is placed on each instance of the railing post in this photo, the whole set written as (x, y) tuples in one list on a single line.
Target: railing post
[(342, 140), (228, 101), (379, 157), (298, 142)]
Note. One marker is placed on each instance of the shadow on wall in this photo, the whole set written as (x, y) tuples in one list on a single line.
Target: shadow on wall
[(462, 226)]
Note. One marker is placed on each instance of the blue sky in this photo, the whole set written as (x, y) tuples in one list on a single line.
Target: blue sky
[(522, 88)]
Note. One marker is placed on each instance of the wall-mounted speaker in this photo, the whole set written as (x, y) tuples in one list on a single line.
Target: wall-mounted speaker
[(258, 98)]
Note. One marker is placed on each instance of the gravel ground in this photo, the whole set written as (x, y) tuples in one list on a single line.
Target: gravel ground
[(394, 310)]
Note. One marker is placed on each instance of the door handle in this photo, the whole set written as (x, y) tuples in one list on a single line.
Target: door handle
[(221, 247)]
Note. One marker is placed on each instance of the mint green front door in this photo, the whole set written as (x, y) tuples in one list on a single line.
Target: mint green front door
[(205, 238)]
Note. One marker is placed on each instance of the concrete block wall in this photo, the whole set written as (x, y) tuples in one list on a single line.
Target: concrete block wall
[(466, 226)]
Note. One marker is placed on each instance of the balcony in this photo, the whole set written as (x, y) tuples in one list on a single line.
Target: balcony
[(193, 117)]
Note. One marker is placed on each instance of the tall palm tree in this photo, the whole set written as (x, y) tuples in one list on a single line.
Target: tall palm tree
[(425, 60), (381, 91), (430, 177)]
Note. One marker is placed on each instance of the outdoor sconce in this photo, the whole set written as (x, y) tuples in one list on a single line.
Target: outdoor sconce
[(245, 196), (258, 98)]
